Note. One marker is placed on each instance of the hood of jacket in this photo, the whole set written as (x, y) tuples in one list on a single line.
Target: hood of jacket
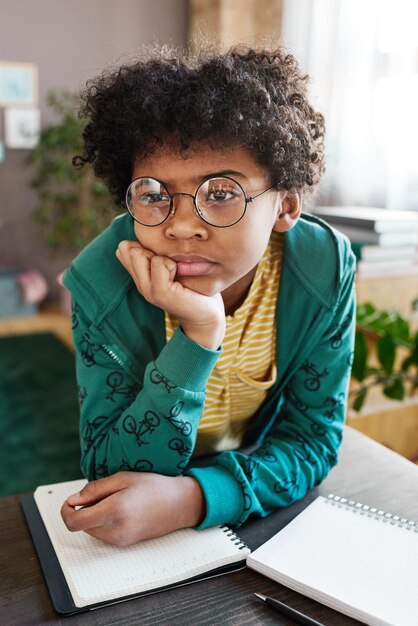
[(316, 259)]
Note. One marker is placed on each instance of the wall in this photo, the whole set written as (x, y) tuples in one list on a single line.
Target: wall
[(227, 22), (70, 41)]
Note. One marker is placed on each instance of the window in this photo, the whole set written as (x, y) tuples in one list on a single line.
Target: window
[(362, 56)]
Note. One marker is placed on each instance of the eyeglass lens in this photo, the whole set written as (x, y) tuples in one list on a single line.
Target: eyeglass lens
[(219, 201)]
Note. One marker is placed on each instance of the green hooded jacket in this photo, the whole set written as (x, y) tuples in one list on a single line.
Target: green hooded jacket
[(141, 398)]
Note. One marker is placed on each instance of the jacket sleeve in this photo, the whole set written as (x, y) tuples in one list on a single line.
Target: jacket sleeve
[(302, 445), (147, 425)]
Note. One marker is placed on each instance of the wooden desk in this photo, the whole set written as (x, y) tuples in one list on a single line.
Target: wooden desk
[(367, 472)]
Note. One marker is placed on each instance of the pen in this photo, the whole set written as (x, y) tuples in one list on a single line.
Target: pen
[(279, 607)]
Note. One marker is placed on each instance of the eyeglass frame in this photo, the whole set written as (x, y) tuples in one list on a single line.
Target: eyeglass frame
[(171, 210)]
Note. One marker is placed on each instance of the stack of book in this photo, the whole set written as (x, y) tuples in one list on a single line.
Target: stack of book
[(384, 241)]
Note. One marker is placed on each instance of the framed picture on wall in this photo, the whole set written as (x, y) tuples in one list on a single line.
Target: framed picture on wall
[(22, 127), (18, 84)]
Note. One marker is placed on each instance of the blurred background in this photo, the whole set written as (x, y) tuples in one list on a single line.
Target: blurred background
[(362, 58), (67, 42)]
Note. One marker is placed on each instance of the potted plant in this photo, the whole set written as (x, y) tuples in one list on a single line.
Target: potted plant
[(74, 206), (385, 355)]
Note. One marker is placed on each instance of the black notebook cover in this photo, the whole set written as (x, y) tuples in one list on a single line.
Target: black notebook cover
[(61, 598), (54, 577)]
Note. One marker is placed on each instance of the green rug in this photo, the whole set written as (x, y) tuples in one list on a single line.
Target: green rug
[(38, 413)]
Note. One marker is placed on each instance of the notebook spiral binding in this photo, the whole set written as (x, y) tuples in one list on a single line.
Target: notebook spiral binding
[(233, 537), (378, 514)]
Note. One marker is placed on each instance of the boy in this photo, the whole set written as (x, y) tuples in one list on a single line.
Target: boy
[(206, 319)]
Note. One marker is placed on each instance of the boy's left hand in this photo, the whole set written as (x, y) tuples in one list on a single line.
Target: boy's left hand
[(130, 506)]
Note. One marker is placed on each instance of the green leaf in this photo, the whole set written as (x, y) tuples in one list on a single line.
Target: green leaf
[(360, 357), (360, 398), (364, 310), (386, 350), (412, 358), (400, 329), (414, 351), (387, 330), (406, 363), (395, 389)]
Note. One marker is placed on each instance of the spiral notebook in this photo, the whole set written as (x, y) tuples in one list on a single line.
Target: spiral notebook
[(84, 573), (350, 556)]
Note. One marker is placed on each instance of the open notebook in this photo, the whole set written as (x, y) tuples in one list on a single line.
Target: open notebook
[(352, 557), (83, 572)]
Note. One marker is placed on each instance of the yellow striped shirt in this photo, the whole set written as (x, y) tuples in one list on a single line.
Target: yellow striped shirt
[(246, 368)]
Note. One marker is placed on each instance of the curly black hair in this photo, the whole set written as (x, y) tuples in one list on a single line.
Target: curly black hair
[(245, 97)]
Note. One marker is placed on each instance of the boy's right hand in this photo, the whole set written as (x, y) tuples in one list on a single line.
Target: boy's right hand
[(201, 317)]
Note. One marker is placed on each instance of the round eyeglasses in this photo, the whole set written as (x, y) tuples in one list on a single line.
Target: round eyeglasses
[(219, 201)]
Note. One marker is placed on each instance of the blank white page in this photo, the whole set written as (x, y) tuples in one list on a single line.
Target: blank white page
[(96, 572), (347, 559)]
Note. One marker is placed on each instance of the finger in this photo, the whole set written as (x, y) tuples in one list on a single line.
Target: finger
[(97, 490), (123, 258), (126, 246), (170, 265), (123, 255), (108, 535), (85, 518), (163, 271), (141, 272), (119, 256)]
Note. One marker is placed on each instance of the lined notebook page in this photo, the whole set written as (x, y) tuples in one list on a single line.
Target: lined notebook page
[(96, 572), (364, 567)]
